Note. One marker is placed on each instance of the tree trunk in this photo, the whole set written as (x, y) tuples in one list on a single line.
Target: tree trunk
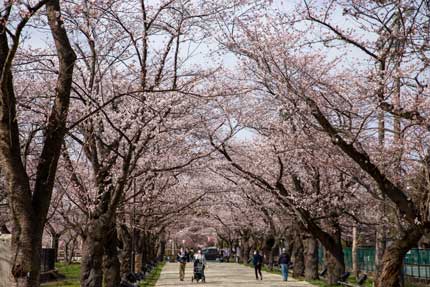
[(274, 252), (392, 262), (29, 208), (111, 265), (335, 268), (244, 250), (269, 243), (66, 252), (26, 246), (92, 253), (138, 262), (54, 244), (161, 252), (355, 268), (311, 257), (290, 246), (144, 248), (298, 258), (334, 256), (380, 246), (125, 255), (298, 250), (69, 250), (380, 232)]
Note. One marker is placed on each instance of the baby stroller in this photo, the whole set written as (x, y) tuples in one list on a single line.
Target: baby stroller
[(199, 271)]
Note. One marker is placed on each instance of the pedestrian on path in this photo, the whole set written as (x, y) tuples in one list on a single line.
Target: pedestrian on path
[(257, 260), (284, 261), (182, 258), (199, 258)]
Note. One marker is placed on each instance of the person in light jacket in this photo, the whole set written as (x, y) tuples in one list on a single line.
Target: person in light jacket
[(200, 256)]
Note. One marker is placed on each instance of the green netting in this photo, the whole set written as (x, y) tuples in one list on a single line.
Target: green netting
[(418, 256), (321, 256), (416, 262), (366, 258)]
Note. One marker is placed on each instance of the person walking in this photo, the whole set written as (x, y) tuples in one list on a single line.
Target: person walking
[(182, 258), (200, 260), (257, 260), (284, 261), (200, 257), (227, 255), (189, 258), (191, 254)]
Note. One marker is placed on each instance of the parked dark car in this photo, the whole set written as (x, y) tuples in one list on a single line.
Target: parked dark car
[(211, 253)]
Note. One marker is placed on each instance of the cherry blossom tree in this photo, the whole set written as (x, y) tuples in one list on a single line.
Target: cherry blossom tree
[(335, 94), (29, 198)]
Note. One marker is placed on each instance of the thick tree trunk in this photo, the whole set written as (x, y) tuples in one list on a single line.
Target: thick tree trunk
[(332, 241), (125, 255), (30, 207), (392, 262), (311, 257), (138, 262), (92, 253), (274, 252), (335, 267), (244, 250), (145, 247), (298, 258), (111, 265), (161, 252), (26, 246), (298, 251), (269, 243), (153, 247), (334, 256)]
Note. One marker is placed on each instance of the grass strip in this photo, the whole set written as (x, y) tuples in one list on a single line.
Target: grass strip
[(72, 273), (152, 279)]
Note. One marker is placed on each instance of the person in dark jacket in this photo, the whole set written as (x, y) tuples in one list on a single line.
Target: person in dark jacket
[(257, 260), (182, 258), (284, 261)]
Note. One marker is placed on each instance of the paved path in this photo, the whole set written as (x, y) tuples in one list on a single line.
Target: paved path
[(224, 275)]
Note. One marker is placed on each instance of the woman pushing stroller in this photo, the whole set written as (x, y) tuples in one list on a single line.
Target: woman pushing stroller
[(199, 266)]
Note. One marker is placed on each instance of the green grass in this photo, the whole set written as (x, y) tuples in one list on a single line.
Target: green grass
[(153, 277), (72, 273), (352, 280)]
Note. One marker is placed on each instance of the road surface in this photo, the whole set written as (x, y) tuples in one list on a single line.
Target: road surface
[(224, 275)]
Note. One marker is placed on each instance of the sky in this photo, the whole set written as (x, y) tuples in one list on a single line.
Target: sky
[(203, 52)]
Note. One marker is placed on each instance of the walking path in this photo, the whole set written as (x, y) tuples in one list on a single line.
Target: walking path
[(224, 275)]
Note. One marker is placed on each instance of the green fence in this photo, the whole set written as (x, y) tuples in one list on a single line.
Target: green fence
[(366, 258), (416, 262)]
